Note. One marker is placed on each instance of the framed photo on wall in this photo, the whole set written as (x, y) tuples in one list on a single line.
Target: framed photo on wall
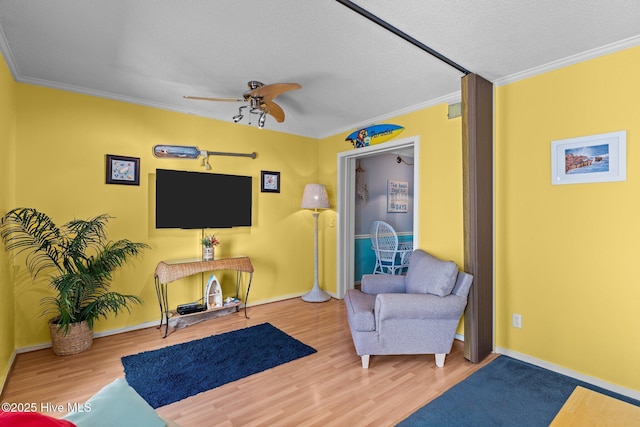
[(270, 182), (594, 158), (122, 170)]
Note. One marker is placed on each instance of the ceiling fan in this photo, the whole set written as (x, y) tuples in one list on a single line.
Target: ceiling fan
[(259, 98)]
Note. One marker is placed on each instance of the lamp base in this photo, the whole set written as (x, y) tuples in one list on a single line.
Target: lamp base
[(316, 295)]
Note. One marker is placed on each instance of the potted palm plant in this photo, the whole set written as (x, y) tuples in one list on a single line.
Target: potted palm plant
[(79, 261)]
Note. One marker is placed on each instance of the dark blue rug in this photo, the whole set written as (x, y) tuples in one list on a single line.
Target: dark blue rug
[(173, 373), (506, 392)]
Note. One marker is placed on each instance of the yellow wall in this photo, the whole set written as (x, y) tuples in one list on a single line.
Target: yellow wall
[(567, 255), (577, 295), (441, 229), (60, 169), (7, 180), (440, 164)]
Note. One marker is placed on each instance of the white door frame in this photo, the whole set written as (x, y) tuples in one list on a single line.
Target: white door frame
[(346, 204)]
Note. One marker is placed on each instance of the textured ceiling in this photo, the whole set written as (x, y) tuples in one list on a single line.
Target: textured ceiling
[(352, 71)]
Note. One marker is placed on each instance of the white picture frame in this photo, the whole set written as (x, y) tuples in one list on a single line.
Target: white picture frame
[(587, 159), (397, 196)]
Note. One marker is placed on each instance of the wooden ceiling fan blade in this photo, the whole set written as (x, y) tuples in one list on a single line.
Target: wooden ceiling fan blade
[(275, 110), (273, 90), (203, 98)]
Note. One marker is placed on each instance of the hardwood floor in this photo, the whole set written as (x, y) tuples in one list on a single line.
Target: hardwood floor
[(328, 388)]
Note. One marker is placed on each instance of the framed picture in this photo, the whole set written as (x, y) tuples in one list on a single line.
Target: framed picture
[(123, 170), (270, 182), (397, 196), (595, 158)]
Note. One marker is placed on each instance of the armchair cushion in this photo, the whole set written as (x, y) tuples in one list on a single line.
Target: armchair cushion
[(412, 306), (382, 283), (428, 274), (361, 305)]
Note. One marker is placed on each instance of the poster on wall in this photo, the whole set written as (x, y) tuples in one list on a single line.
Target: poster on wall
[(397, 196)]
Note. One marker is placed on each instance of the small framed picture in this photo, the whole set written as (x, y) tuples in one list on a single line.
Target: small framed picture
[(123, 170), (270, 182), (397, 196), (594, 158)]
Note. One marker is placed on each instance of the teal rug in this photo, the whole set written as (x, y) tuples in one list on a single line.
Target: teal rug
[(506, 392), (176, 372)]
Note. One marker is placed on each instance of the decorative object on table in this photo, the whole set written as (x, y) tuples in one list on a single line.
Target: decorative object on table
[(122, 170), (191, 152), (213, 292), (595, 158), (209, 243), (372, 135), (269, 182), (166, 375), (80, 262), (315, 197), (397, 196)]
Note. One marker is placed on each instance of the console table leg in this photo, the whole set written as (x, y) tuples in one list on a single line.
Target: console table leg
[(159, 295), (163, 300), (246, 297)]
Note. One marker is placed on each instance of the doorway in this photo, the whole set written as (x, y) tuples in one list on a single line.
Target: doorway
[(346, 203)]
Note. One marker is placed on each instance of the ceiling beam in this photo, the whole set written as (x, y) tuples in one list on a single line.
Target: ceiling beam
[(384, 24)]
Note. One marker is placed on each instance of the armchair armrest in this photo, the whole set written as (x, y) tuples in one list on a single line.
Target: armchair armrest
[(382, 283), (418, 306)]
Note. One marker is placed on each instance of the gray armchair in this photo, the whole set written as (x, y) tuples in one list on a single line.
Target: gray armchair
[(413, 314)]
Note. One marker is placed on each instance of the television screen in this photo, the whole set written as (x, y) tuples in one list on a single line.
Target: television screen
[(202, 200)]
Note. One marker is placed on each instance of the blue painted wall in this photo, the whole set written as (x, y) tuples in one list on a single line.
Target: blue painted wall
[(365, 259)]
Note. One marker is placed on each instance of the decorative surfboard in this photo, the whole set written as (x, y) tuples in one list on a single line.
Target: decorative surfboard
[(372, 135), (184, 152), (176, 151)]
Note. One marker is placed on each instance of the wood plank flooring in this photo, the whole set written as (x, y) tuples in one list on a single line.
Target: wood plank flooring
[(328, 388)]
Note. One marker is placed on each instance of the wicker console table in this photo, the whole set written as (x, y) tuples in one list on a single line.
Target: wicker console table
[(170, 271)]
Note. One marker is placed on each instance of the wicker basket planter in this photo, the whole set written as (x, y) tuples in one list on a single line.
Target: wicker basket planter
[(78, 339)]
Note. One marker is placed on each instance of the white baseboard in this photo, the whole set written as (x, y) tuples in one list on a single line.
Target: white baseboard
[(145, 325), (9, 367), (95, 335), (634, 394)]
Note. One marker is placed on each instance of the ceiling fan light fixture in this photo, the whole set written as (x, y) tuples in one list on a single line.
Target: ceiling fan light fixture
[(239, 116), (259, 100)]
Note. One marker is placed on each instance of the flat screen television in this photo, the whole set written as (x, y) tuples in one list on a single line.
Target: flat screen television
[(202, 200)]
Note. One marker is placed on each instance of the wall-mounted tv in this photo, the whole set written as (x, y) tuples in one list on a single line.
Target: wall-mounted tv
[(202, 200)]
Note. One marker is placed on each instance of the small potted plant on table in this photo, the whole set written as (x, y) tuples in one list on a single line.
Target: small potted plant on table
[(80, 261), (209, 243)]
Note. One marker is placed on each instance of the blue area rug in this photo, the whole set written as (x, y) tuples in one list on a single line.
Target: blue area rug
[(176, 372), (506, 392)]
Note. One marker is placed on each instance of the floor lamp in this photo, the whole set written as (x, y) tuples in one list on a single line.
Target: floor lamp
[(315, 197)]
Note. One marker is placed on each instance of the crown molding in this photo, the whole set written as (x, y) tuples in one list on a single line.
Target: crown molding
[(451, 98), (569, 60)]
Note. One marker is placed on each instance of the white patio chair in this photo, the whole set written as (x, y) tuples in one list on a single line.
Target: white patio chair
[(391, 257)]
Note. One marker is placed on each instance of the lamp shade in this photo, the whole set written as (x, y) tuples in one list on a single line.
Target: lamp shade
[(315, 197)]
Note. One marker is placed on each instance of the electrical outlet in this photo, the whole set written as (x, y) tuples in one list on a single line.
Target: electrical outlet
[(516, 320)]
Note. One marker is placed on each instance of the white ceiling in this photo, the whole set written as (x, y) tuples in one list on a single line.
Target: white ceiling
[(352, 71)]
